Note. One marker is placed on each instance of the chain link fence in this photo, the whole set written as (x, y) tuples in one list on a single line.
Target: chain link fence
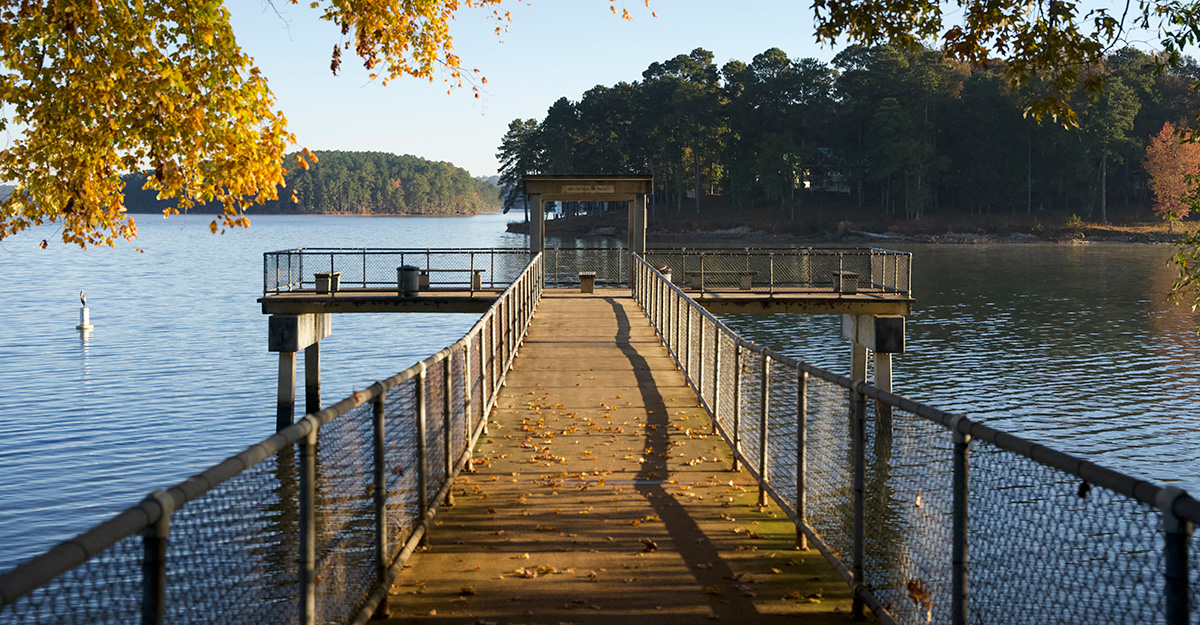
[(929, 516), (376, 269), (785, 269), (308, 526)]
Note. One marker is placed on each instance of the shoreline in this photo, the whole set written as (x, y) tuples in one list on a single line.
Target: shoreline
[(1114, 234)]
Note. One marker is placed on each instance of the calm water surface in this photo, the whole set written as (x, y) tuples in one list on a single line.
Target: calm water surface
[(176, 376), (1071, 345)]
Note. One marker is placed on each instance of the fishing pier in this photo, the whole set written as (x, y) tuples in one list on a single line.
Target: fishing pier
[(600, 446)]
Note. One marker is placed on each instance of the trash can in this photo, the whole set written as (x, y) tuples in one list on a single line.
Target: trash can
[(587, 281), (409, 280), (329, 281)]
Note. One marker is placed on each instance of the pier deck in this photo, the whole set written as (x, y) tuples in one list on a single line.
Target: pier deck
[(600, 495)]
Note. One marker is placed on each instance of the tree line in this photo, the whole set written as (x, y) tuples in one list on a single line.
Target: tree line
[(376, 183), (903, 132)]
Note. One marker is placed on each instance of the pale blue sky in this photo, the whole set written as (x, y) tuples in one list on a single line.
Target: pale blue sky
[(553, 48)]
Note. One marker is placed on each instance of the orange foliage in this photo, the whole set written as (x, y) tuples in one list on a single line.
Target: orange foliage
[(1172, 164)]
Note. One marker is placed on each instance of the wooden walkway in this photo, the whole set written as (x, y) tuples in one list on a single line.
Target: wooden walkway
[(600, 496)]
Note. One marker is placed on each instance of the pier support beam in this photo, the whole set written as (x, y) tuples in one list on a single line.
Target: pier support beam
[(288, 334), (537, 225), (637, 231), (883, 335), (312, 378)]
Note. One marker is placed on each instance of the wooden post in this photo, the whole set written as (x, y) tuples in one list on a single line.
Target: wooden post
[(285, 405), (537, 225), (381, 525), (312, 378), (883, 382)]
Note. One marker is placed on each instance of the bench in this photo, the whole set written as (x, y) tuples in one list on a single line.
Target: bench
[(476, 277), (587, 281), (845, 282), (697, 278)]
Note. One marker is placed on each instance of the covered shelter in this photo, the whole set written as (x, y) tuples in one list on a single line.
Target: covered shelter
[(630, 188)]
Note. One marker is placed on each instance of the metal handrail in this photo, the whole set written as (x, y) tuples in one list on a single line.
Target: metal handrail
[(497, 335), (670, 310)]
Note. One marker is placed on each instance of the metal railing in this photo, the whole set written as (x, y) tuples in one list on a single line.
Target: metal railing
[(310, 525), (786, 269), (564, 264), (375, 269), (781, 269), (930, 516)]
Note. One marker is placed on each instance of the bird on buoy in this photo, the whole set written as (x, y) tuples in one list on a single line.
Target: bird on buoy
[(82, 298)]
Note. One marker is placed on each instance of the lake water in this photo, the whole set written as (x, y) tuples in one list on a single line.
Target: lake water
[(1070, 345)]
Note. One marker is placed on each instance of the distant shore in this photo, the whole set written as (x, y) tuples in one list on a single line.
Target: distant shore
[(670, 226)]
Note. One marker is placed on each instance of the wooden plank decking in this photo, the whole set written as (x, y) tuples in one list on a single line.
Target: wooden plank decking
[(600, 497)]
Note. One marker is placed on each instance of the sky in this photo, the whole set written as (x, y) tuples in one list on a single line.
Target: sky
[(553, 49)]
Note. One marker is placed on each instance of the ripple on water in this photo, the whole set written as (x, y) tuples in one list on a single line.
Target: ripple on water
[(1078, 353)]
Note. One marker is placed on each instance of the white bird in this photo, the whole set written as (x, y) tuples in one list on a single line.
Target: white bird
[(82, 299)]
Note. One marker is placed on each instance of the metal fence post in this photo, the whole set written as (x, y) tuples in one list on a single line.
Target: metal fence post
[(154, 561), (468, 387), (762, 430), (801, 459), (716, 378), (700, 363), (380, 470), (483, 389), (687, 344), (959, 554), (1176, 532), (675, 328), (659, 289), (308, 527), (858, 444), (422, 457), (737, 403), (448, 421)]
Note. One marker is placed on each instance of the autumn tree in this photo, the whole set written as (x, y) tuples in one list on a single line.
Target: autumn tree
[(1171, 163), (94, 90)]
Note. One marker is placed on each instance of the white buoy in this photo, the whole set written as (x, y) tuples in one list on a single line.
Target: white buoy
[(85, 322)]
